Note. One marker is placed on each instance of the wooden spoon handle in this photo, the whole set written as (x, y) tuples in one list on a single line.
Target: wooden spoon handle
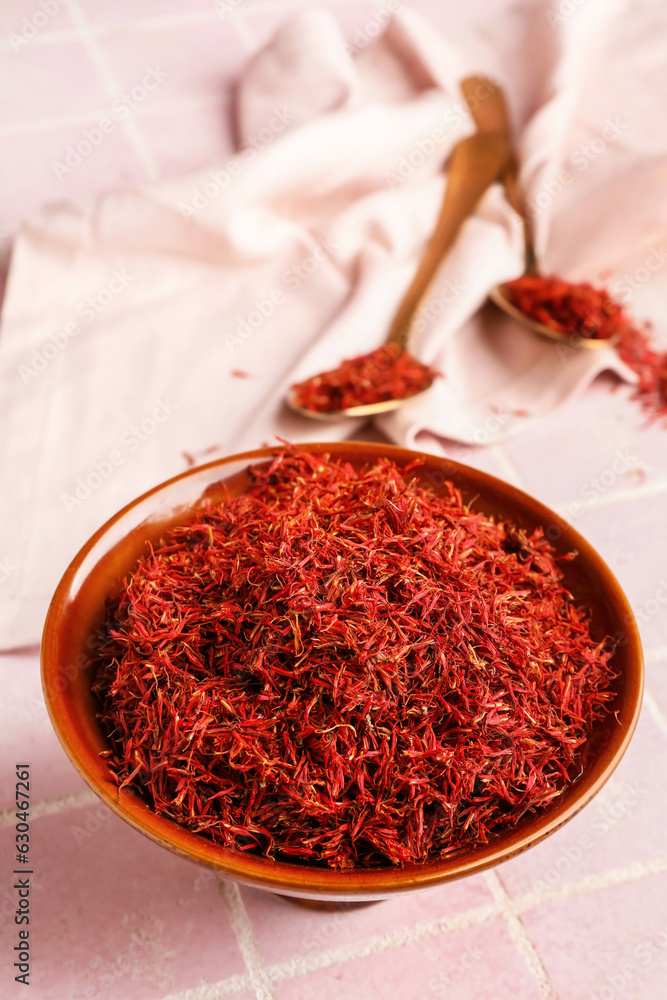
[(486, 104), (476, 162), (488, 109), (516, 198)]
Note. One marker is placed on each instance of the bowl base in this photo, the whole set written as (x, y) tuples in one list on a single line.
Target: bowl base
[(328, 904)]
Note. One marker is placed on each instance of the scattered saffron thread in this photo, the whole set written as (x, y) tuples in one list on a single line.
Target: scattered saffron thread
[(580, 310)]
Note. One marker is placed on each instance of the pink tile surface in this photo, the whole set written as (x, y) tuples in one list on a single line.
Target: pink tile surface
[(196, 60), (284, 930), (656, 683), (121, 916), (115, 916), (26, 22), (624, 824), (26, 83), (206, 126), (126, 12), (486, 459), (113, 163), (606, 445), (630, 537), (606, 945), (27, 736), (480, 962)]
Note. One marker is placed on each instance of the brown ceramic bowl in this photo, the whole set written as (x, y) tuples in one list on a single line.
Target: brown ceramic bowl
[(78, 607)]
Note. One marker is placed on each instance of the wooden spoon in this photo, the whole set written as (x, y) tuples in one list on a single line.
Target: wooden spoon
[(476, 162), (487, 106)]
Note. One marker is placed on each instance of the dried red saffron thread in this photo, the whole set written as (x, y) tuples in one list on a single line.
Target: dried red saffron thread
[(386, 373), (636, 350), (346, 668), (581, 310)]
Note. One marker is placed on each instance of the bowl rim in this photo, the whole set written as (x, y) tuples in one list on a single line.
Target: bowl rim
[(299, 879)]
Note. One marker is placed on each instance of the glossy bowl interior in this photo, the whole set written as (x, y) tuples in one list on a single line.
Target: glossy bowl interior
[(77, 609)]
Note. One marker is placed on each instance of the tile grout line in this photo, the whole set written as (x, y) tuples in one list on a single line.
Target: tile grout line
[(212, 991), (303, 965), (205, 15), (101, 64), (614, 497), (520, 936), (50, 807), (589, 884), (506, 905), (242, 927), (613, 876), (213, 100), (65, 36), (380, 943), (259, 975), (325, 959)]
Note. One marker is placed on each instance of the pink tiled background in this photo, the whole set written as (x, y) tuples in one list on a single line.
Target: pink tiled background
[(583, 916)]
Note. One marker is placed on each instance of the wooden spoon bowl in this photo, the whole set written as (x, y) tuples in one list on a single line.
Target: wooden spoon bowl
[(499, 296)]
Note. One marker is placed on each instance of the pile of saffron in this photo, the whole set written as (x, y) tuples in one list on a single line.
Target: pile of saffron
[(346, 668), (386, 373), (581, 310)]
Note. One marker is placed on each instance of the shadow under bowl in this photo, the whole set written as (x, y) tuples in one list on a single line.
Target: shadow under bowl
[(78, 609)]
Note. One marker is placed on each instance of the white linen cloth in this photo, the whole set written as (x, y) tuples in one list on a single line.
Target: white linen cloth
[(142, 325)]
